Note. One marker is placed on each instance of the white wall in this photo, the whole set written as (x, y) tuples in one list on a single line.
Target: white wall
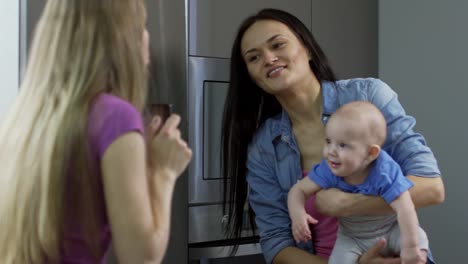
[(423, 55), (9, 52)]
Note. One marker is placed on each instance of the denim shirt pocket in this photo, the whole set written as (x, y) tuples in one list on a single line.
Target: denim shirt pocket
[(287, 165)]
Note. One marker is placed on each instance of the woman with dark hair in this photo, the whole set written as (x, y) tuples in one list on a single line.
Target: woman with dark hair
[(282, 91)]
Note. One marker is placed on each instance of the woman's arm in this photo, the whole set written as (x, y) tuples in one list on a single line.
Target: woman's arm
[(333, 202), (139, 235), (426, 191), (138, 199)]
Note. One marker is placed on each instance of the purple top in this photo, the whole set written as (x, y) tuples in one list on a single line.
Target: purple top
[(109, 118)]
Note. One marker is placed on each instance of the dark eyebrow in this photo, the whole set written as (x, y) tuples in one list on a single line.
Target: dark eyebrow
[(268, 41)]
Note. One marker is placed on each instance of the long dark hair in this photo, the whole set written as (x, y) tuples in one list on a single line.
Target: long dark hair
[(247, 106)]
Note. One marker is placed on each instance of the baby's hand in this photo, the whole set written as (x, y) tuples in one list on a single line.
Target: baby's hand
[(413, 256), (300, 227)]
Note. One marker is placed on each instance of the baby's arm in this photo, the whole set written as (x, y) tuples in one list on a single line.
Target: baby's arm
[(300, 220), (409, 226)]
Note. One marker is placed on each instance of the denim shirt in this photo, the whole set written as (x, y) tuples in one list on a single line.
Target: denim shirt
[(273, 161)]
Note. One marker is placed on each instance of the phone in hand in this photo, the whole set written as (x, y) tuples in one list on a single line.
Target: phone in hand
[(163, 110)]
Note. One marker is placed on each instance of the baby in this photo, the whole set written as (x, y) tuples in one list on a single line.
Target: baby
[(354, 162)]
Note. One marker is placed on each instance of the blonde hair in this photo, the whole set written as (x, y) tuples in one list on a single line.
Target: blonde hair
[(81, 48)]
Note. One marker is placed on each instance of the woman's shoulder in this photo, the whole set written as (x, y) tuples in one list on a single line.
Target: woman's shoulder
[(368, 89), (110, 109), (106, 106), (110, 117), (110, 102), (361, 84)]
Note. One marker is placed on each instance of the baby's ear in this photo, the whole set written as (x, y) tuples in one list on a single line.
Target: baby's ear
[(374, 151)]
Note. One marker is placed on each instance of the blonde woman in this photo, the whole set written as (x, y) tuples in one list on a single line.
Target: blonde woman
[(75, 167)]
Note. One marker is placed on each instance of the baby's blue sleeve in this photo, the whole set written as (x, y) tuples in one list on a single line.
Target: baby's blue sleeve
[(322, 175), (394, 182)]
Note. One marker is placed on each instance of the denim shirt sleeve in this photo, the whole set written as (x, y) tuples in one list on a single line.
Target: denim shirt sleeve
[(407, 148), (267, 199)]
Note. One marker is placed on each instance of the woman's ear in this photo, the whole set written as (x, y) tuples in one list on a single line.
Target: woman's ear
[(374, 151)]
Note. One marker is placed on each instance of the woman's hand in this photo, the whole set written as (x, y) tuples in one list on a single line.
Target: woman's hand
[(372, 256), (167, 151)]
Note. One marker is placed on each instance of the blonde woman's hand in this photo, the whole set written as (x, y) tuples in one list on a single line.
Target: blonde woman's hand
[(168, 153)]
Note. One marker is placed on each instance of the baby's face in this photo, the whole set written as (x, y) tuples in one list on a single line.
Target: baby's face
[(346, 148)]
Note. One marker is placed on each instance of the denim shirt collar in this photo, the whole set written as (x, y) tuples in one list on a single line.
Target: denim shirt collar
[(330, 104)]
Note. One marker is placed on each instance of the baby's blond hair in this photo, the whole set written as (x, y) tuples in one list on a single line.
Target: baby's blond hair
[(368, 116)]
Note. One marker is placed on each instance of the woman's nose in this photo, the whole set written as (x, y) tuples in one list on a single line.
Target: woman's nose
[(270, 57)]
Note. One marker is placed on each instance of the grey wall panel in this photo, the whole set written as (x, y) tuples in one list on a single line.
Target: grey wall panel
[(347, 32), (213, 23), (422, 55)]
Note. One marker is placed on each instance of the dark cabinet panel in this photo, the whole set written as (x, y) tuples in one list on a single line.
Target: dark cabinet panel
[(213, 23)]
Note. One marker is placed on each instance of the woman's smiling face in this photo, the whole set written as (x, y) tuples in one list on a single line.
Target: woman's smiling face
[(276, 59)]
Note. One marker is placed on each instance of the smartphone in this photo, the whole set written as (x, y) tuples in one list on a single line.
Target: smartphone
[(162, 110)]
